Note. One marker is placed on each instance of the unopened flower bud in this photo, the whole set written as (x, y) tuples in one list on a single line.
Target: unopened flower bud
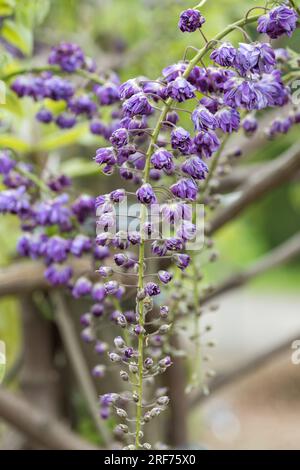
[(147, 446), (119, 342), (133, 368), (163, 401), (164, 329), (141, 294), (114, 357), (124, 376), (121, 413), (155, 412), (121, 321), (164, 311), (121, 428), (148, 363)]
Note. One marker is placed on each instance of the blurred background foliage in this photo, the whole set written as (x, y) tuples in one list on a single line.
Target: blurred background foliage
[(134, 37)]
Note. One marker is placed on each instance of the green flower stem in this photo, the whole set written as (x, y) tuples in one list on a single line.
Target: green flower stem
[(166, 108), (53, 68), (213, 167), (35, 179)]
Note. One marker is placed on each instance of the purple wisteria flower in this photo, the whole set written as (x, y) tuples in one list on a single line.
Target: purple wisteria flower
[(57, 249), (120, 138), (203, 119), (146, 195), (280, 126), (228, 119), (128, 89), (173, 71), (255, 58), (106, 156), (44, 115), (58, 275), (180, 90), (80, 245), (195, 167), (165, 277), (206, 143), (185, 188), (68, 56), (212, 104), (162, 159), (83, 105), (176, 212), (118, 195), (186, 231), (224, 55), (107, 94), (182, 260), (281, 20), (6, 163), (181, 140), (268, 90), (190, 20), (137, 104), (66, 121), (152, 289), (250, 125), (57, 88), (82, 287)]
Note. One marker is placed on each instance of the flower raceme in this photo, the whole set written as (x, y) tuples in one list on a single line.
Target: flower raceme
[(148, 142)]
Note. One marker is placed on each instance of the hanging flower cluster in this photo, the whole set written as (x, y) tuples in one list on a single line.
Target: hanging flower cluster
[(78, 102), (148, 142), (152, 144)]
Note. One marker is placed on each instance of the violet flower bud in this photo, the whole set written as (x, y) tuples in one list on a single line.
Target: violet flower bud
[(195, 167), (203, 119), (190, 20), (181, 260), (164, 311), (162, 159), (114, 357), (82, 287), (97, 310), (152, 289), (118, 195), (99, 292), (101, 347), (224, 55), (180, 90), (185, 188), (146, 195), (249, 125), (99, 371), (105, 271), (165, 277), (181, 140)]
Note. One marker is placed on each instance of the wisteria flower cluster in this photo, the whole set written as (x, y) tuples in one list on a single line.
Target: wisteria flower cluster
[(78, 102), (148, 142)]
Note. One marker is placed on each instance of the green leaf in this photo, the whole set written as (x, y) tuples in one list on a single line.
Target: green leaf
[(32, 12), (14, 143), (17, 35), (7, 7), (12, 104), (62, 138), (78, 167)]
